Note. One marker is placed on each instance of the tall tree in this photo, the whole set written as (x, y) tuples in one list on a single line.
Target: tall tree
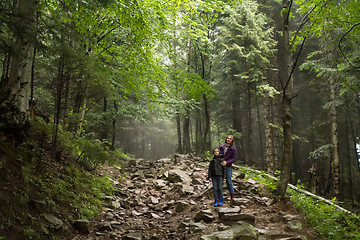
[(286, 94), (15, 88), (247, 47)]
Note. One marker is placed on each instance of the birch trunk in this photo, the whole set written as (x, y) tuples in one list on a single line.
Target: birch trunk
[(16, 88), (286, 105), (83, 107), (334, 141), (269, 149), (186, 126)]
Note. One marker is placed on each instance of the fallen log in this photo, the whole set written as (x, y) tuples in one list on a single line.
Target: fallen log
[(301, 190)]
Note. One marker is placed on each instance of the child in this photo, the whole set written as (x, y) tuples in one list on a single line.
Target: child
[(216, 175)]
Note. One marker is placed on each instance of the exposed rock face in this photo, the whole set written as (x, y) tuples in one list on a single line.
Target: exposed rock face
[(171, 199)]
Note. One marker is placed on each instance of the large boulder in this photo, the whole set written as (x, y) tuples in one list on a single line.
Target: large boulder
[(177, 175), (240, 230)]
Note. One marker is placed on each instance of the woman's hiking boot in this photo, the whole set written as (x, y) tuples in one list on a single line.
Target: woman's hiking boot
[(216, 203)]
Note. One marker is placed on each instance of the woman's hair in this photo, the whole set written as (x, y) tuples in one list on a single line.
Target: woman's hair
[(232, 139)]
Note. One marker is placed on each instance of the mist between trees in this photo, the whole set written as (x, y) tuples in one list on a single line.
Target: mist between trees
[(153, 78)]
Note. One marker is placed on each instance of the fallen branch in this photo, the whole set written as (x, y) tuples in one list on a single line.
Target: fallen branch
[(301, 190)]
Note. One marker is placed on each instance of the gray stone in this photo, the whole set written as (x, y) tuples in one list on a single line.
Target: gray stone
[(57, 223), (300, 237), (240, 201), (154, 215), (295, 226), (176, 175), (181, 206), (239, 217), (192, 226), (84, 226), (240, 230), (204, 215), (132, 236), (135, 213), (186, 189), (289, 217), (222, 211), (154, 200), (159, 183)]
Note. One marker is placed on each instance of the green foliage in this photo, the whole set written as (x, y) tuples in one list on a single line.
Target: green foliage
[(321, 152), (230, 131), (270, 183), (69, 191), (327, 221), (209, 155)]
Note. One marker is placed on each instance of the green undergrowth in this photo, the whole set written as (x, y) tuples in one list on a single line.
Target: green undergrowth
[(35, 182), (329, 222)]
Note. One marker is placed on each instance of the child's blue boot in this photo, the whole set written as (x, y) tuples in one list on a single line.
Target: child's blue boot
[(220, 202), (216, 203)]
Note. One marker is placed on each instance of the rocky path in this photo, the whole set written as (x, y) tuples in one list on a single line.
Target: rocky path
[(171, 199)]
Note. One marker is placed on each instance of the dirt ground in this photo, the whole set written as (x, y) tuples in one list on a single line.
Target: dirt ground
[(161, 199)]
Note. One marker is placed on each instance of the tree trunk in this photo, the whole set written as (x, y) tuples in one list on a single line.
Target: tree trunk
[(236, 116), (32, 101), (5, 69), (356, 157), (349, 158), (207, 132), (178, 129), (207, 138), (186, 126), (104, 130), (83, 107), (16, 88), (286, 105), (113, 137), (260, 134), (287, 145), (335, 141), (269, 148), (58, 95), (67, 96), (249, 157), (198, 133)]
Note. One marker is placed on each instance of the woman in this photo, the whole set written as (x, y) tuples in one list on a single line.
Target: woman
[(229, 151)]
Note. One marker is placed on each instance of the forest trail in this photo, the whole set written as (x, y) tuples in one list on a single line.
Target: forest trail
[(171, 199)]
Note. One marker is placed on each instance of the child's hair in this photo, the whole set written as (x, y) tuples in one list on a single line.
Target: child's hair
[(216, 149)]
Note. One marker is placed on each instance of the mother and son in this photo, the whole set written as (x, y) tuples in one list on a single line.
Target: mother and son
[(220, 168)]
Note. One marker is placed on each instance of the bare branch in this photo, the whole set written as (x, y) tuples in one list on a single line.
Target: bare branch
[(339, 45)]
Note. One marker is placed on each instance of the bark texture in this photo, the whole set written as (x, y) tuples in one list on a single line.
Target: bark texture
[(16, 86), (334, 141), (287, 83)]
